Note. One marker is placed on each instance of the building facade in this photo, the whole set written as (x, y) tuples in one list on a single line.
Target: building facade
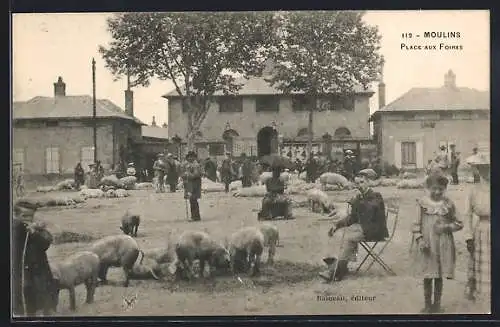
[(52, 134), (260, 120), (409, 131)]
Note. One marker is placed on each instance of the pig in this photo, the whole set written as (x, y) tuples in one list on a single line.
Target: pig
[(245, 248), (130, 224), (271, 239), (318, 201), (193, 245), (116, 251), (79, 268), (145, 268), (160, 255)]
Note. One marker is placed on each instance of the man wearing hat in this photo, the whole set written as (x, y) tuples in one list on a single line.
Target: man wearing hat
[(192, 184), (159, 168), (227, 171), (131, 169), (246, 171), (455, 162), (33, 283), (365, 222), (172, 172)]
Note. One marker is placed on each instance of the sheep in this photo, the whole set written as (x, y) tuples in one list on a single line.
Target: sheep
[(193, 245), (145, 268), (116, 251), (333, 179), (160, 255), (271, 239), (319, 200), (78, 268), (245, 248), (130, 224)]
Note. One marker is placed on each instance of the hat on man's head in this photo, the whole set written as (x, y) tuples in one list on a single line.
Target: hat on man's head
[(169, 155), (160, 155), (130, 164), (228, 153), (368, 173), (442, 148)]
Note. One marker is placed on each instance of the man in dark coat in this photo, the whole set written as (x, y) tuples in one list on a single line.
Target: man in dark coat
[(455, 162), (365, 222), (172, 171), (275, 202), (246, 169), (39, 288), (311, 170), (211, 169), (227, 171), (192, 184)]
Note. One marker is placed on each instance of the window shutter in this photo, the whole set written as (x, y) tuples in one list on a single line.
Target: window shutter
[(420, 154), (397, 154)]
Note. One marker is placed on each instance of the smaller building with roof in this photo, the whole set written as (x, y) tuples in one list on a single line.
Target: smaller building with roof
[(52, 134), (411, 129)]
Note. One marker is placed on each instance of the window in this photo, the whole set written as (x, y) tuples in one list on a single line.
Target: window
[(408, 153), (347, 103), (445, 115), (195, 101), (300, 103), (18, 158), (329, 103), (216, 149), (230, 104), (268, 103), (87, 157), (52, 160), (52, 124)]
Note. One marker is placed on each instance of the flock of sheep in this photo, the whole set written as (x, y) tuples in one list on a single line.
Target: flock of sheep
[(240, 253)]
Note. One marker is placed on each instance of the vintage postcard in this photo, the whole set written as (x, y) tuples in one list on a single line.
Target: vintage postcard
[(251, 163)]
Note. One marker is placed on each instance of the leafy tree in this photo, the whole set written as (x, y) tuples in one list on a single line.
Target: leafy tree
[(318, 53), (198, 52)]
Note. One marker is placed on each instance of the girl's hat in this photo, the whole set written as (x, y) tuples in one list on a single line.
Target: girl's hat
[(436, 178)]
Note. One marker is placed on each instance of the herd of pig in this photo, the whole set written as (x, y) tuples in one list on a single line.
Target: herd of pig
[(240, 253)]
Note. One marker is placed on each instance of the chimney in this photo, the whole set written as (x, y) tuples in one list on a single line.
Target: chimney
[(450, 79), (59, 88), (153, 123), (381, 94)]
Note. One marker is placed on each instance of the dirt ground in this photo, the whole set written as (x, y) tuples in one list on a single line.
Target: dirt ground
[(290, 286)]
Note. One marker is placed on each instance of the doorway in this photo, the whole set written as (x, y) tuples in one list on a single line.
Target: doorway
[(267, 141)]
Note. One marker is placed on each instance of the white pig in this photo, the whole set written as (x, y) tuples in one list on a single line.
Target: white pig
[(79, 268), (245, 248), (116, 251), (199, 245)]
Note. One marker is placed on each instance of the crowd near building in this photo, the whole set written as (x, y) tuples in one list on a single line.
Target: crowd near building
[(52, 134)]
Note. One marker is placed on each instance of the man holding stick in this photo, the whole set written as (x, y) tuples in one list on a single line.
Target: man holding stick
[(192, 184), (365, 222)]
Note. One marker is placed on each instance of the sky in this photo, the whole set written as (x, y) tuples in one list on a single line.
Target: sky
[(46, 46)]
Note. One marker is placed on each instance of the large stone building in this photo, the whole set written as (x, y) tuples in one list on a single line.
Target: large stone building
[(410, 130), (52, 134), (260, 120)]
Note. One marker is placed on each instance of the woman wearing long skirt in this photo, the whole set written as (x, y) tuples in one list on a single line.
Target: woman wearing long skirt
[(478, 234)]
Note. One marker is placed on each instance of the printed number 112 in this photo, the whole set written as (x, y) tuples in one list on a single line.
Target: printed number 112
[(406, 35)]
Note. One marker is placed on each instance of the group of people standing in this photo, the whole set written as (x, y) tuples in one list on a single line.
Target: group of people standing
[(168, 167)]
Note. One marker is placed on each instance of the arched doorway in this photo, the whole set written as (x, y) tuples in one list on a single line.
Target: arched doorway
[(342, 133), (267, 141), (228, 136)]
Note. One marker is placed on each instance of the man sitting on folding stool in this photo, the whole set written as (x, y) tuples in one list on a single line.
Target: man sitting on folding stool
[(365, 222)]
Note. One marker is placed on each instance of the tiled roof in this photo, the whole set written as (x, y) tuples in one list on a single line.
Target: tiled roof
[(256, 86), (442, 98), (155, 132), (77, 106)]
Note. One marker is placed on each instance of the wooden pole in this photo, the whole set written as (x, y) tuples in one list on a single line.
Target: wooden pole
[(94, 113)]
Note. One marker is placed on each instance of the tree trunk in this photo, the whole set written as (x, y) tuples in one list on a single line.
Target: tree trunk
[(310, 133)]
